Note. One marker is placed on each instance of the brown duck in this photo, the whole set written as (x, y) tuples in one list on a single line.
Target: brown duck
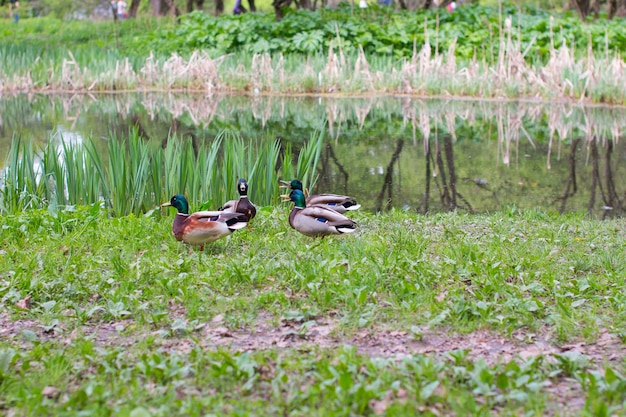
[(202, 226)]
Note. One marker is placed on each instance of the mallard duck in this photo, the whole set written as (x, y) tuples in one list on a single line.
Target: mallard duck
[(242, 204), (202, 226), (317, 220), (339, 203)]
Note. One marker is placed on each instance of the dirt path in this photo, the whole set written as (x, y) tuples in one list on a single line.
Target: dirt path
[(324, 333), (268, 333)]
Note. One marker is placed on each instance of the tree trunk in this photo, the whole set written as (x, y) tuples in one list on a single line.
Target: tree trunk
[(134, 6), (171, 8), (113, 9), (429, 4), (157, 7), (278, 7), (612, 6), (596, 9), (252, 5), (163, 8), (621, 8), (582, 7), (219, 7), (199, 5)]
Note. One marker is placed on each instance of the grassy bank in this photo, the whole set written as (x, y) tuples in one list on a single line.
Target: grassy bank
[(508, 312)]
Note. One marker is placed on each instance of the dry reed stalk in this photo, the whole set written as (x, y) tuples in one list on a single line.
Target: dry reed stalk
[(263, 71), (407, 72), (150, 70), (309, 73), (362, 70), (560, 61), (128, 73), (71, 74), (425, 73), (282, 78), (204, 71), (332, 70), (200, 72), (17, 83), (342, 57), (123, 77)]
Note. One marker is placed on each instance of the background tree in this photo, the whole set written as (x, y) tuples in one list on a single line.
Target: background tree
[(588, 7), (198, 3), (164, 8), (134, 6)]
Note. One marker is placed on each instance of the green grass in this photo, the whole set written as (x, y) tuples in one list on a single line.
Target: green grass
[(316, 382), (539, 275)]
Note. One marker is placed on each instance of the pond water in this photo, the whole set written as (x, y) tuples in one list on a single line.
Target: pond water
[(422, 155)]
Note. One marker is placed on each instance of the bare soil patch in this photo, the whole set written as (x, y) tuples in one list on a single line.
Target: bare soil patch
[(566, 393), (324, 333)]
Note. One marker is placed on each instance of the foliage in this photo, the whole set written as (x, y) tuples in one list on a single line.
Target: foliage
[(67, 9), (477, 31)]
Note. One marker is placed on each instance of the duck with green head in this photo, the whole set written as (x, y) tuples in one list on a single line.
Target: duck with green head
[(242, 204), (339, 203), (317, 220), (202, 226)]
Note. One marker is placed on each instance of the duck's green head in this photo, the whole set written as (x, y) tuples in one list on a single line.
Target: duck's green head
[(179, 202), (293, 184), (296, 185), (242, 186), (297, 196)]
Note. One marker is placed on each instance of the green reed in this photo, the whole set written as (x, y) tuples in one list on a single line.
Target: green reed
[(19, 188), (137, 175), (306, 164)]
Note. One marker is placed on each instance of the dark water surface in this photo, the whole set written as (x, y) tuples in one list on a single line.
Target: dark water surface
[(422, 155)]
